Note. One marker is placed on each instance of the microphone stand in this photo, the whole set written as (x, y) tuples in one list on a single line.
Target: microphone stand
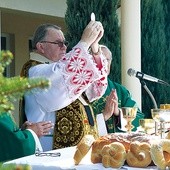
[(149, 92), (153, 100)]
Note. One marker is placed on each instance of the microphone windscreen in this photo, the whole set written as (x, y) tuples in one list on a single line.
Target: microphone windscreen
[(131, 72)]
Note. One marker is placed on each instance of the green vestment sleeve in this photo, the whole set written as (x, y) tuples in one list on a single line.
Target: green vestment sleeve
[(14, 143), (124, 100)]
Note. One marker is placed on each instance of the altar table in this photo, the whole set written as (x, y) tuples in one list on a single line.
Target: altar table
[(65, 162)]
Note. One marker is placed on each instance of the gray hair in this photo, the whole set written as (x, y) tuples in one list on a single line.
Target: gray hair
[(108, 50), (41, 32)]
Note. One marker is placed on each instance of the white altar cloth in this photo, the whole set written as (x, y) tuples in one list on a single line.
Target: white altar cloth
[(65, 162)]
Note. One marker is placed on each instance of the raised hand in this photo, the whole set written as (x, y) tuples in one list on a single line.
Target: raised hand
[(92, 33)]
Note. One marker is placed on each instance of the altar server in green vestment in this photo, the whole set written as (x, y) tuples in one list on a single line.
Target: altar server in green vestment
[(110, 104), (15, 142)]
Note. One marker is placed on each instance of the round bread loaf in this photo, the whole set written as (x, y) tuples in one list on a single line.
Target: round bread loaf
[(139, 154)]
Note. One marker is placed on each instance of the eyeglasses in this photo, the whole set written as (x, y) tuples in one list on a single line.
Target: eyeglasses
[(59, 43)]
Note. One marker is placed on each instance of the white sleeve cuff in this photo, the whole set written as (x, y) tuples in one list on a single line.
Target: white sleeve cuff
[(102, 130), (37, 141), (84, 45)]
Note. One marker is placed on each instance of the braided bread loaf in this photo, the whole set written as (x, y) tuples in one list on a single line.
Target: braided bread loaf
[(139, 154), (137, 149), (113, 155), (123, 138)]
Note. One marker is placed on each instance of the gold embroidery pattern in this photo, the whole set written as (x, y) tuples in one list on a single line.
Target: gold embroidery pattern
[(71, 125), (98, 105), (27, 66)]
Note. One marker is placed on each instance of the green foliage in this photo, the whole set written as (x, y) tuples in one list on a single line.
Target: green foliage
[(155, 55), (166, 4), (14, 87), (15, 167), (78, 16), (5, 58)]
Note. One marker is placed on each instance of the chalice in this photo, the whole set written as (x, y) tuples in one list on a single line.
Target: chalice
[(129, 114), (147, 124), (161, 116)]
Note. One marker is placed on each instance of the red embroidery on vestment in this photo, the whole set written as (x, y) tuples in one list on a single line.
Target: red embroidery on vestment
[(83, 77), (76, 64)]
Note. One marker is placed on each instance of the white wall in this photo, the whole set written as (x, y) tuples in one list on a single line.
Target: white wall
[(47, 7), (19, 18)]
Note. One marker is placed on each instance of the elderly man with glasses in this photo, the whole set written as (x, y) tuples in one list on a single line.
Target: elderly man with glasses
[(71, 74)]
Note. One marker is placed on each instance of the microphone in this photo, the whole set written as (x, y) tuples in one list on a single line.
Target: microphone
[(140, 75)]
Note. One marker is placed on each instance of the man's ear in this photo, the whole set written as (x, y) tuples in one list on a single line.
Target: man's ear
[(40, 47)]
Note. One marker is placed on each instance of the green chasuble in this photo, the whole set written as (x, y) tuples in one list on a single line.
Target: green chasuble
[(14, 143), (124, 100)]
